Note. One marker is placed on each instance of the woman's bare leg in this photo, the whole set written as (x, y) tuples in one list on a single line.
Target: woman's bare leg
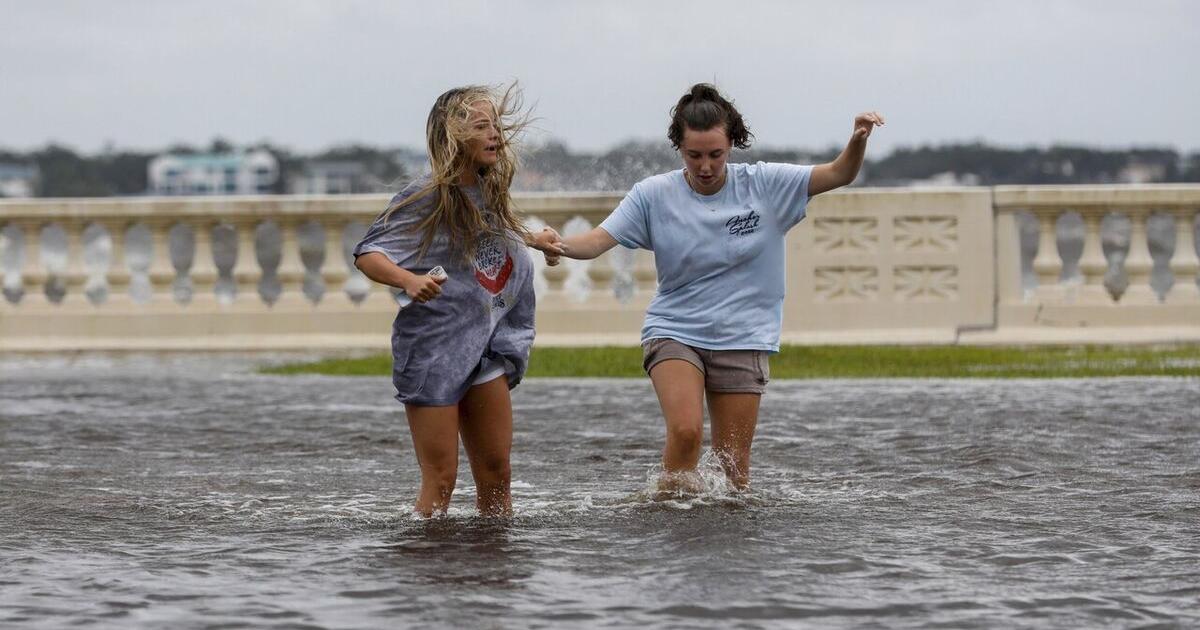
[(486, 429), (734, 418), (435, 438), (680, 389)]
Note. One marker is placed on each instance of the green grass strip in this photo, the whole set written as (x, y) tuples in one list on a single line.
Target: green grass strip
[(798, 362)]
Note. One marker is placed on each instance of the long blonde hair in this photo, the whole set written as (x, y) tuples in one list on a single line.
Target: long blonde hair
[(447, 133)]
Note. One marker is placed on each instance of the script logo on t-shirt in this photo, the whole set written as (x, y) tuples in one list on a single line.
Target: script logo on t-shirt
[(493, 264), (743, 225)]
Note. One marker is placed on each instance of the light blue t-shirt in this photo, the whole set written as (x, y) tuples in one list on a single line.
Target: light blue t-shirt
[(720, 258)]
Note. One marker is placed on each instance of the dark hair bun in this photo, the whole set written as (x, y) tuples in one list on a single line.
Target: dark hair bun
[(703, 108), (705, 92)]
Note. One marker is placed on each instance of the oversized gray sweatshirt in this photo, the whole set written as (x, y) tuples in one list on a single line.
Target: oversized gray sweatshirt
[(482, 319)]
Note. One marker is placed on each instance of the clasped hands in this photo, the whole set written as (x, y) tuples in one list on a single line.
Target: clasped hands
[(550, 243)]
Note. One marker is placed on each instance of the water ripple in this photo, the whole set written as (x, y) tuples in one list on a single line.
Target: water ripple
[(171, 491)]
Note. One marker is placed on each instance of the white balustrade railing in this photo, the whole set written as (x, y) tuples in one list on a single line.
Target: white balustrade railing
[(1117, 264), (1132, 267), (867, 265), (186, 272)]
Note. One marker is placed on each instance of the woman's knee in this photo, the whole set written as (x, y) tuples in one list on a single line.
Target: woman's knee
[(441, 473), (685, 435), (494, 470)]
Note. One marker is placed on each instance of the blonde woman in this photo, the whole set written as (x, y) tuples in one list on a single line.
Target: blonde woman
[(464, 341)]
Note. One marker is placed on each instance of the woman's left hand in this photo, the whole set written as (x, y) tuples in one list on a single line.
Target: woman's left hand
[(865, 122)]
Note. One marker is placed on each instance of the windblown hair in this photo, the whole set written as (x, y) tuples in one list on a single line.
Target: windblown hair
[(447, 133), (703, 108)]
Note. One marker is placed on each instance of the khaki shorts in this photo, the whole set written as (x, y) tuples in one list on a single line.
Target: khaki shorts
[(726, 371)]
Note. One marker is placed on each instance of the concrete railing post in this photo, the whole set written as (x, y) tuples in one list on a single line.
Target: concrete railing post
[(1138, 263), (1092, 263), (1048, 263), (1185, 264)]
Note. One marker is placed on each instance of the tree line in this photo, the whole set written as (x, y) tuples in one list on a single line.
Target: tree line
[(552, 165)]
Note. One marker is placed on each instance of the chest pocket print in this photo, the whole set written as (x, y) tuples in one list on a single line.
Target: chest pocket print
[(493, 265), (743, 234)]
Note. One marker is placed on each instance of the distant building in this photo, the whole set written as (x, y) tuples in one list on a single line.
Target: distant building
[(249, 173), (947, 178), (1137, 172), (334, 178), (18, 180)]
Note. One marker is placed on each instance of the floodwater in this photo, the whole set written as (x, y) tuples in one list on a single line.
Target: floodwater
[(190, 492)]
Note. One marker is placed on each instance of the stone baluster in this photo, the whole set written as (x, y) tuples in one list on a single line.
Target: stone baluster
[(1092, 263), (76, 273), (117, 276), (246, 272), (1185, 264), (204, 267), (1047, 264), (12, 243), (162, 271), (334, 270), (33, 276), (1139, 263), (291, 268)]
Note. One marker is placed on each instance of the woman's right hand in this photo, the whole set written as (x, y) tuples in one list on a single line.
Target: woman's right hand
[(422, 288)]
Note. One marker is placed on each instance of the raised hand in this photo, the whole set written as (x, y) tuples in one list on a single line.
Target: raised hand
[(864, 123)]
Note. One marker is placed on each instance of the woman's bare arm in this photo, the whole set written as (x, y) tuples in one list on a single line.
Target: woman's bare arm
[(843, 169), (588, 245), (376, 266)]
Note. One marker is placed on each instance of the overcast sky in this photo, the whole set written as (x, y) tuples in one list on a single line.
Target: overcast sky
[(310, 74)]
